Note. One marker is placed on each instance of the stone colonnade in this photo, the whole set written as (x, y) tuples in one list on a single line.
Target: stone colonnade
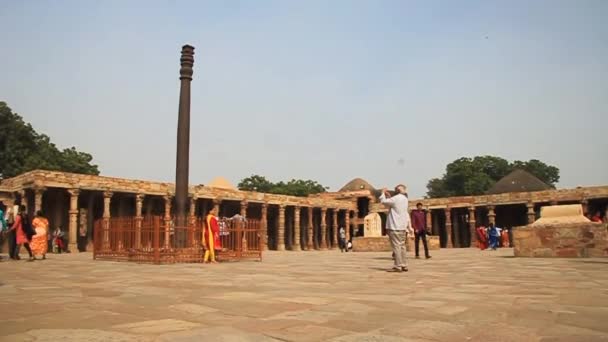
[(296, 231), (450, 217)]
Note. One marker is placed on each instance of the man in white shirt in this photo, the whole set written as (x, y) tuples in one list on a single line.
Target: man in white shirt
[(397, 223)]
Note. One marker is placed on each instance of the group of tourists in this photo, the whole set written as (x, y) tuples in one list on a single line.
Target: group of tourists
[(492, 237), (18, 230), (399, 225)]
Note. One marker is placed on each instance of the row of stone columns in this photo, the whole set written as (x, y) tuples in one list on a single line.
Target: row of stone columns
[(309, 242)]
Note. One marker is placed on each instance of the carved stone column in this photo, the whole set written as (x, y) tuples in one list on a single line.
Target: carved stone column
[(456, 230), (585, 205), (472, 226), (448, 226), (336, 232), (297, 243), (243, 213), (491, 214), (167, 199), (347, 224), (429, 220), (73, 227), (139, 200), (192, 211), (531, 212), (107, 198), (216, 205), (323, 229), (309, 242), (281, 229), (356, 221), (38, 192), (264, 226)]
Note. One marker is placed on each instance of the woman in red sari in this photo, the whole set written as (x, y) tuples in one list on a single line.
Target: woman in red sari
[(482, 238), (211, 236)]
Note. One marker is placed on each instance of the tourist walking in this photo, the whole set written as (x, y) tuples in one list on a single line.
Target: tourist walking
[(58, 242), (343, 246), (504, 239), (397, 223), (11, 235), (39, 243), (211, 237), (418, 218), (494, 234), (482, 238), (23, 232)]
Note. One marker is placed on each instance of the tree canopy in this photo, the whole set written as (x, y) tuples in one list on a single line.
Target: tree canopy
[(295, 187), (22, 149), (474, 176)]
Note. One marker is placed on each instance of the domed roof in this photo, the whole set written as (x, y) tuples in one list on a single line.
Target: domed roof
[(221, 183), (356, 185), (518, 181)]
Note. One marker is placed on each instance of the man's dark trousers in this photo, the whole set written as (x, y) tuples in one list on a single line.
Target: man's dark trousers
[(418, 236)]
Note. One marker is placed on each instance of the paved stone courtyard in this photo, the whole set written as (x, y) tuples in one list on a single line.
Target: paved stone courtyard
[(459, 295)]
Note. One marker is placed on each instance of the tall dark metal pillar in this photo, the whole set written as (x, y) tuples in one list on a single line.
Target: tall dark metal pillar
[(183, 135)]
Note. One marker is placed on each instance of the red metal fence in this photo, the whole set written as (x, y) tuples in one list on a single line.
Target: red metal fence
[(156, 240)]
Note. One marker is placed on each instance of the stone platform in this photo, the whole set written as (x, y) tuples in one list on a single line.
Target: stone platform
[(458, 295), (382, 244), (572, 240)]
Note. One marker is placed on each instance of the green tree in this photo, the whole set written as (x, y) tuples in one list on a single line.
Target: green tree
[(295, 187), (474, 176), (22, 149)]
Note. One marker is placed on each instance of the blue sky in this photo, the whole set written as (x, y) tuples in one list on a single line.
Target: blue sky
[(323, 90)]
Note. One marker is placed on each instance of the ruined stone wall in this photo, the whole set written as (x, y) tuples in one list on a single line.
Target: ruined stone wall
[(561, 240)]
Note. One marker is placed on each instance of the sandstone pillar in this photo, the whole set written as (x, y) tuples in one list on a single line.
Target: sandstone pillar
[(281, 230), (491, 215), (456, 230), (192, 209), (309, 242), (429, 220), (264, 227), (323, 229), (73, 227), (107, 198), (216, 206), (531, 213), (167, 199), (448, 226), (585, 205), (472, 226), (336, 231), (356, 222), (243, 213), (347, 224), (139, 201), (297, 243), (38, 192)]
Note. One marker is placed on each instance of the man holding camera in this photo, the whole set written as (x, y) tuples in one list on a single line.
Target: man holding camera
[(397, 224)]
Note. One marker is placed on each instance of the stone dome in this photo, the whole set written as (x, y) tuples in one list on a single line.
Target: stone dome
[(221, 183), (357, 184)]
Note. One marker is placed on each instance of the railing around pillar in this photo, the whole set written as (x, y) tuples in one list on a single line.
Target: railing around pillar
[(154, 239)]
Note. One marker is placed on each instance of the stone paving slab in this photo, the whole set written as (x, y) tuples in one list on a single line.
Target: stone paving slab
[(458, 295)]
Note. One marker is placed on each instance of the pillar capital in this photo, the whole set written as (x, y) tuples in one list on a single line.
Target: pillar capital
[(140, 196), (264, 205), (74, 192), (471, 208), (217, 201), (38, 189), (244, 203), (108, 194), (323, 210), (530, 204)]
